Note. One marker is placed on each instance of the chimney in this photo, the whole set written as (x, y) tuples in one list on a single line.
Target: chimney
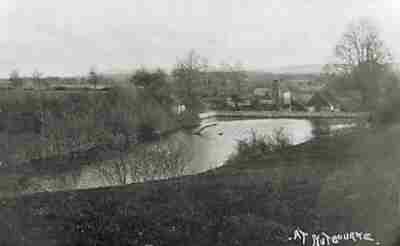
[(276, 94)]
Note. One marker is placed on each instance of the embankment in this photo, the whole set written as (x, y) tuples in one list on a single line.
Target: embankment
[(332, 184), (284, 114)]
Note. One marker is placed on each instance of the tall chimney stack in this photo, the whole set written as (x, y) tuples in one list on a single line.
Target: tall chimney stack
[(276, 94)]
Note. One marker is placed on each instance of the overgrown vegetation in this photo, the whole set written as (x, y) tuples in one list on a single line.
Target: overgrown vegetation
[(189, 78), (258, 146), (83, 120), (79, 121), (144, 163)]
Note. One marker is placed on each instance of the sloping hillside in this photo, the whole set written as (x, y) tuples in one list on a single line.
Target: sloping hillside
[(340, 184)]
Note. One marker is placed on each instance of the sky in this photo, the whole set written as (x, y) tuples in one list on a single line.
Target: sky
[(69, 37)]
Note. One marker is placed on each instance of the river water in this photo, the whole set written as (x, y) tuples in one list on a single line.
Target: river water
[(216, 143), (202, 152)]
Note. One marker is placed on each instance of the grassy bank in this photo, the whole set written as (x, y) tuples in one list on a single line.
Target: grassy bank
[(340, 184)]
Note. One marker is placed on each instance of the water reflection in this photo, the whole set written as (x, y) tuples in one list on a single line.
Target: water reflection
[(215, 144), (146, 162), (323, 127)]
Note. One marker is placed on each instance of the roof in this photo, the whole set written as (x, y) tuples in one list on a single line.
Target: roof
[(262, 92), (323, 98), (302, 97)]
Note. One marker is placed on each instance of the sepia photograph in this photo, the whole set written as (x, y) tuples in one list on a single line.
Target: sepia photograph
[(200, 123)]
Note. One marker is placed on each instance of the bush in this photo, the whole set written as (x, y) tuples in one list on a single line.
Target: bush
[(146, 162), (258, 146)]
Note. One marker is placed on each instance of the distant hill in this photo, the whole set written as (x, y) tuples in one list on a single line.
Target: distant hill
[(262, 76), (299, 69), (310, 69)]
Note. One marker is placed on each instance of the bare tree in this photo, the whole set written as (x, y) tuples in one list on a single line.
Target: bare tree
[(39, 84), (235, 75), (15, 79), (190, 74), (363, 57), (38, 80), (93, 77), (144, 163)]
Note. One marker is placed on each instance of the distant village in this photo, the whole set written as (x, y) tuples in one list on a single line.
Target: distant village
[(279, 97), (263, 95)]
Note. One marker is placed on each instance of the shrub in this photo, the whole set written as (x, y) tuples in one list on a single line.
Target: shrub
[(258, 146), (146, 162)]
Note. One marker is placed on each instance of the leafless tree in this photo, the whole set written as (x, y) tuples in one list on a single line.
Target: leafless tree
[(145, 163), (235, 76), (190, 73), (363, 57), (37, 79), (39, 83), (15, 79), (361, 43), (93, 78)]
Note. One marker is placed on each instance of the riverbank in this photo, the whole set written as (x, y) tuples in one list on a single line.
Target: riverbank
[(330, 184), (103, 163), (284, 114)]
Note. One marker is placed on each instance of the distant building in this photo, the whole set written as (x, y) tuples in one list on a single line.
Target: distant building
[(265, 101), (262, 96), (244, 102), (287, 98), (274, 97), (180, 108), (230, 102), (262, 92), (323, 101), (276, 94)]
